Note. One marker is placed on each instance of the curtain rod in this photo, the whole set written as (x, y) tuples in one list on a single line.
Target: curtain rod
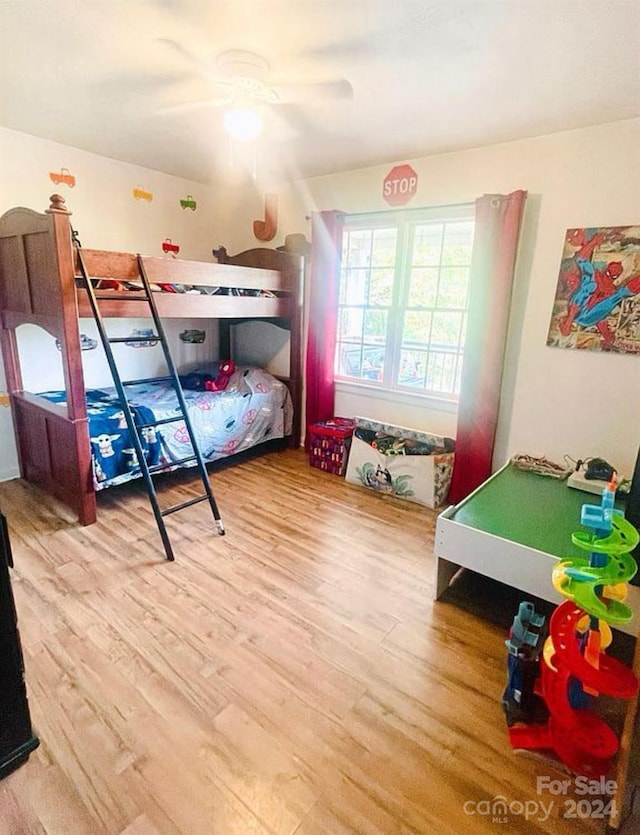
[(409, 209)]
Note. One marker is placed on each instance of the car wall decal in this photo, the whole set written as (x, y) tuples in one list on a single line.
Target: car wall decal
[(62, 177), (142, 340), (188, 202), (169, 246), (86, 343), (141, 193), (193, 335)]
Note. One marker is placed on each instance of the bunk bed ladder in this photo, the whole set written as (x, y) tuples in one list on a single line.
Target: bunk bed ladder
[(135, 428)]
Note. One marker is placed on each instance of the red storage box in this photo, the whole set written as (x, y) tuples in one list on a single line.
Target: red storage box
[(329, 442)]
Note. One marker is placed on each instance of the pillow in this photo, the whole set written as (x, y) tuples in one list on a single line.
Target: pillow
[(196, 381)]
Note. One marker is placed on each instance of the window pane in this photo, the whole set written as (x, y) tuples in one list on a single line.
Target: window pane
[(357, 248), (446, 330), (453, 287), (348, 360), (350, 324), (375, 326), (381, 287), (424, 287), (417, 328), (458, 240), (364, 362), (441, 372), (458, 376), (413, 365), (356, 287), (372, 362), (384, 247), (427, 245)]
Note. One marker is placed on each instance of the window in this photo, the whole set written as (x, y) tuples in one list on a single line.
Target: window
[(404, 294)]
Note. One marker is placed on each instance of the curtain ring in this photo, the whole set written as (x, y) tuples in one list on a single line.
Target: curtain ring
[(495, 202)]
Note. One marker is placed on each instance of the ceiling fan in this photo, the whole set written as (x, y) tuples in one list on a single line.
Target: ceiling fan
[(241, 85)]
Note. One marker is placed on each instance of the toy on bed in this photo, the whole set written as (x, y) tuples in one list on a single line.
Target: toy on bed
[(216, 380), (226, 369)]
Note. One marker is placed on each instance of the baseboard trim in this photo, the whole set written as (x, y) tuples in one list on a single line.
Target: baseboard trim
[(9, 474)]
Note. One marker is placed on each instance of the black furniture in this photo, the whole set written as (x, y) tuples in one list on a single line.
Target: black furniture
[(17, 740), (632, 511)]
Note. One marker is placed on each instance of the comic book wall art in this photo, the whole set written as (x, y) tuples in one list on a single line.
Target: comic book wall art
[(597, 302)]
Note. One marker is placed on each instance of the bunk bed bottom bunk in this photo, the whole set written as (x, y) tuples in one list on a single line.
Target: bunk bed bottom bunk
[(253, 407), (253, 416)]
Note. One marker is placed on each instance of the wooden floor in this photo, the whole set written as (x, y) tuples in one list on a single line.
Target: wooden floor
[(292, 677)]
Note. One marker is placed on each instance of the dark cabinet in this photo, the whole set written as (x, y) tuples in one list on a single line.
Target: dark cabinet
[(17, 740)]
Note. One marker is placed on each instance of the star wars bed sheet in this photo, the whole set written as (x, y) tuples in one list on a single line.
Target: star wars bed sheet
[(255, 407)]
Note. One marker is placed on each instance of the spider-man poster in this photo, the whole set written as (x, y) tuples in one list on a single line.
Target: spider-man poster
[(597, 303)]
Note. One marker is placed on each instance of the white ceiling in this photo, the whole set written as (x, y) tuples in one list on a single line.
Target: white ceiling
[(427, 75)]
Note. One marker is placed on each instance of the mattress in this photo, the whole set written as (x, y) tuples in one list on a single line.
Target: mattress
[(255, 407)]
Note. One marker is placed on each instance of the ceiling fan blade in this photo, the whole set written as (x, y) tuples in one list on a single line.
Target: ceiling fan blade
[(196, 63), (339, 88), (291, 115), (190, 106)]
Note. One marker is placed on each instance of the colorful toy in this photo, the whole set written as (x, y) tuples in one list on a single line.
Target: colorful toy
[(225, 370), (526, 639), (573, 665)]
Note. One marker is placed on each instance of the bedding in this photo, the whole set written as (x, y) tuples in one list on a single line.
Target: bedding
[(254, 407), (191, 289)]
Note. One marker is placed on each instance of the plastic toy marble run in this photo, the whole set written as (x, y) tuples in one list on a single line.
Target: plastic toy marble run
[(549, 707)]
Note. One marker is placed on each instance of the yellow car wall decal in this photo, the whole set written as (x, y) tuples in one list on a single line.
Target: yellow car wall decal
[(141, 194)]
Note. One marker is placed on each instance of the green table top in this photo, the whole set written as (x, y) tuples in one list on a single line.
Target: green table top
[(533, 510)]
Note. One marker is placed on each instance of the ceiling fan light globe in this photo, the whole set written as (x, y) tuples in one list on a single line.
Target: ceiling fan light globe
[(243, 124)]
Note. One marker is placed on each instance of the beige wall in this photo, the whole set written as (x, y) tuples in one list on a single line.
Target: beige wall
[(107, 216), (554, 401)]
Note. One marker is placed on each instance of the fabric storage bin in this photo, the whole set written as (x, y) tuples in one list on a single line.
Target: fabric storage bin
[(329, 442), (401, 462)]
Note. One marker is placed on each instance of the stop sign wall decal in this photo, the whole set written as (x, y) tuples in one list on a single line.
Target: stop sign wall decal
[(400, 184)]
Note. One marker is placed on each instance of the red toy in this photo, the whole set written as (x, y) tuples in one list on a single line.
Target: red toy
[(226, 369), (574, 651), (582, 740)]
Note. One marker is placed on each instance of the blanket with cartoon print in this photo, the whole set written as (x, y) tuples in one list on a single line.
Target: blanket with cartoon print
[(255, 407)]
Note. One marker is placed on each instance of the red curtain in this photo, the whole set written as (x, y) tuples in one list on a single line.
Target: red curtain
[(324, 280), (498, 218)]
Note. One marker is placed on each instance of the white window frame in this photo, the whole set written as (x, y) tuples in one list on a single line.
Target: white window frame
[(405, 221)]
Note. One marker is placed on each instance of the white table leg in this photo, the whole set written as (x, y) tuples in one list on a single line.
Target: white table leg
[(445, 573)]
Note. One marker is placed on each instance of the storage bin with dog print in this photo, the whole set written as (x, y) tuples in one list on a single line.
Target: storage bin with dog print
[(405, 463)]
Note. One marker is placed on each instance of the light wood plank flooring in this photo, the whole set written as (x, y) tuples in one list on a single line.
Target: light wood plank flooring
[(291, 677)]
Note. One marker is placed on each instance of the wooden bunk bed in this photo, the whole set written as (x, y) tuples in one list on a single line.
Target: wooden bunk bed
[(39, 284)]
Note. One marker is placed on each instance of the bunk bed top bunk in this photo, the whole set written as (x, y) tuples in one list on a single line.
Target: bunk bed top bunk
[(40, 283)]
